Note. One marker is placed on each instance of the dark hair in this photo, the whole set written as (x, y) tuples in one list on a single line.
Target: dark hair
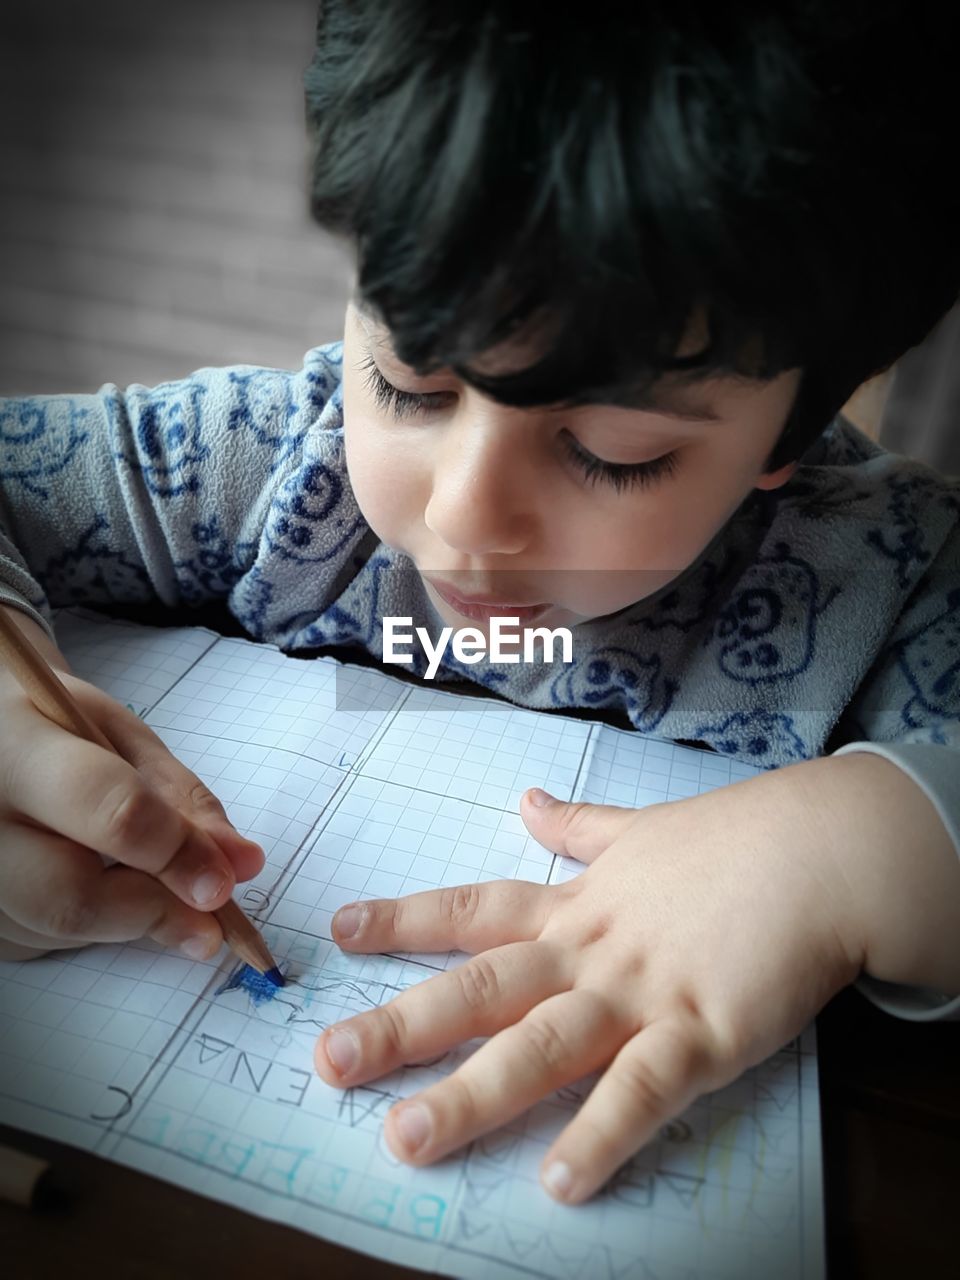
[(592, 181)]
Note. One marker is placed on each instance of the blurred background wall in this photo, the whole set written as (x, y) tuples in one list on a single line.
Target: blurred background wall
[(153, 171), (153, 210)]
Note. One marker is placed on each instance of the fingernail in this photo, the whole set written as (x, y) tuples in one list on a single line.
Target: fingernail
[(348, 920), (558, 1179), (413, 1126), (539, 798), (342, 1050), (207, 886), (195, 948)]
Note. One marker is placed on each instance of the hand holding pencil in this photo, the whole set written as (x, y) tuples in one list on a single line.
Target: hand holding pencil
[(83, 779)]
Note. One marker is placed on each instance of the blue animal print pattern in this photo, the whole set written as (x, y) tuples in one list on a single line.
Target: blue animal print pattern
[(833, 600), (613, 678), (928, 658), (767, 630), (166, 447), (38, 441), (94, 568)]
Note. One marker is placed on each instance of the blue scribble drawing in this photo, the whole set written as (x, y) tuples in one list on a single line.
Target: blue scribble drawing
[(260, 987)]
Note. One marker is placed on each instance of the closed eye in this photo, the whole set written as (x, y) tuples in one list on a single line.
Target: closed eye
[(402, 404), (621, 475)]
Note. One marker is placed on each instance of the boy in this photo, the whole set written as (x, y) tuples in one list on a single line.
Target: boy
[(614, 280)]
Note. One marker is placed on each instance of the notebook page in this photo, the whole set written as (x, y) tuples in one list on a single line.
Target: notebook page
[(136, 665), (166, 1066)]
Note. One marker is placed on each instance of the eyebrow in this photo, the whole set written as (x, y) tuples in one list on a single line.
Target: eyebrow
[(670, 407)]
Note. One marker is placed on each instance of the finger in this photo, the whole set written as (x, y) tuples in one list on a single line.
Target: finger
[(465, 917), (57, 894), (559, 1041), (149, 755), (13, 935), (478, 998), (101, 803), (654, 1077), (14, 952), (581, 831)]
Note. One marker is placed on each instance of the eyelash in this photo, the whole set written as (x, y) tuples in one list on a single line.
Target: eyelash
[(402, 404), (621, 475)]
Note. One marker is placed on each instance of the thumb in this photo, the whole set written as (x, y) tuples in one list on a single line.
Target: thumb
[(581, 831)]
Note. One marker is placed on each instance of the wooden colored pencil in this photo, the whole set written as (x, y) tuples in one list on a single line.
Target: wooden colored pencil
[(51, 697)]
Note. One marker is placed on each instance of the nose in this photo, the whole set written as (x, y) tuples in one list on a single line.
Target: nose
[(483, 496)]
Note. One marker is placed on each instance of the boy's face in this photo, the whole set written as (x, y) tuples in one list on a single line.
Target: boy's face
[(553, 515)]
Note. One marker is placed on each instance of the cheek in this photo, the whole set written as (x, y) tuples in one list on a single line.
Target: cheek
[(661, 530), (654, 532), (386, 482)]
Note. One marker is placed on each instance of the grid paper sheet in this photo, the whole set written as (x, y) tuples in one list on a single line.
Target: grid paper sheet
[(359, 785)]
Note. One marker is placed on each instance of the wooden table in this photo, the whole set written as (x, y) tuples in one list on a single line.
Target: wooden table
[(891, 1130)]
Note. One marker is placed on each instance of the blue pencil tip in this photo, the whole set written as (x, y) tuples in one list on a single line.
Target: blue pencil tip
[(275, 976)]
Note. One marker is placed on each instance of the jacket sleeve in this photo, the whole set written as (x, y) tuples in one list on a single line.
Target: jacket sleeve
[(908, 712), (150, 493)]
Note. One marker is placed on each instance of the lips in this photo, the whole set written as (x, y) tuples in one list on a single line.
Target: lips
[(483, 608)]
